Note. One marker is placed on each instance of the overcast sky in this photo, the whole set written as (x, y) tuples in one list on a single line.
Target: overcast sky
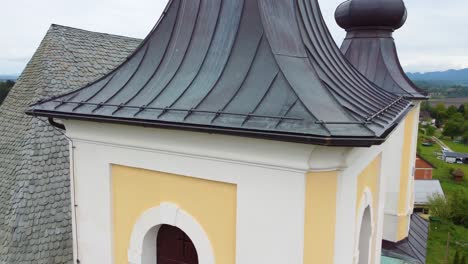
[(435, 37)]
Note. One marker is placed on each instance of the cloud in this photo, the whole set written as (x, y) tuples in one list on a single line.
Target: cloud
[(432, 38)]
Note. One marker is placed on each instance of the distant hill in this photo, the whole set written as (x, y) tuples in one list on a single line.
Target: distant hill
[(8, 77), (442, 77)]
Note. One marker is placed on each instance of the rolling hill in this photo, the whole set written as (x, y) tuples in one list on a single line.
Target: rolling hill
[(8, 77), (445, 77)]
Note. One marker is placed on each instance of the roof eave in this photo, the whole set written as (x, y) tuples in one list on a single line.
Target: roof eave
[(418, 98), (333, 141)]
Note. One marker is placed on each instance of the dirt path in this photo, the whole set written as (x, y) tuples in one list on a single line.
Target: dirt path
[(442, 144)]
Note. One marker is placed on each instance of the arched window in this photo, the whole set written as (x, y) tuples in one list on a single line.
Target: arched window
[(166, 234), (365, 236), (174, 247)]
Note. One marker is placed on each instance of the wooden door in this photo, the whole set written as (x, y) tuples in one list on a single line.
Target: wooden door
[(175, 247)]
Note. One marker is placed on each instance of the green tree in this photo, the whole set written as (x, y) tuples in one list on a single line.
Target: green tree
[(465, 137), (451, 111), (465, 106), (426, 106), (461, 109), (454, 126), (430, 131), (439, 112), (452, 129), (459, 207), (5, 88)]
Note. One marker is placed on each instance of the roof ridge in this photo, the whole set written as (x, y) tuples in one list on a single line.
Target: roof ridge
[(75, 29)]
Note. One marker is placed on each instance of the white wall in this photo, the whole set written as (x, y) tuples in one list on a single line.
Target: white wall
[(270, 182), (270, 179)]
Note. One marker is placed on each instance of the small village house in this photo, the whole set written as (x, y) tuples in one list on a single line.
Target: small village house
[(455, 157), (422, 169), (424, 190)]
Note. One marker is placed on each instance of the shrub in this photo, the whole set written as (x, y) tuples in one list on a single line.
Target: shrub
[(451, 171), (453, 208), (459, 207), (439, 206), (458, 174)]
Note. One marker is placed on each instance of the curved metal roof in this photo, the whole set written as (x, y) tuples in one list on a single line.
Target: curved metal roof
[(258, 68), (369, 44)]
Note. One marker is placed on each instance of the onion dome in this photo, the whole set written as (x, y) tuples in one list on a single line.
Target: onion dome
[(369, 45), (389, 14)]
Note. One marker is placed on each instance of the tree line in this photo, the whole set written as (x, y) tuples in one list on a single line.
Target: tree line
[(5, 87), (453, 120), (443, 90)]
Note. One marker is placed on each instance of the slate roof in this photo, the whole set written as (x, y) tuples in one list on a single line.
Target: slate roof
[(253, 68), (369, 44), (35, 211), (415, 246)]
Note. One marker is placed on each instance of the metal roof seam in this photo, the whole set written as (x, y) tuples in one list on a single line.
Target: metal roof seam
[(181, 62), (344, 72), (245, 77), (128, 80), (204, 59)]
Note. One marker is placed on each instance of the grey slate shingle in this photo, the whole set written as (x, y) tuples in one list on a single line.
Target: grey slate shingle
[(35, 213)]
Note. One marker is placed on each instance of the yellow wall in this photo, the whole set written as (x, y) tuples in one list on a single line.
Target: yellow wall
[(320, 217), (213, 204), (405, 174), (369, 178)]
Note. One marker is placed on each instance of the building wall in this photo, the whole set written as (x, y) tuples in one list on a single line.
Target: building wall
[(423, 170), (423, 174), (295, 203), (320, 217), (369, 180), (269, 180), (398, 170), (212, 204), (406, 198)]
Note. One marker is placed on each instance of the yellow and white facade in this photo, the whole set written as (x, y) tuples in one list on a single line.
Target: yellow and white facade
[(240, 200)]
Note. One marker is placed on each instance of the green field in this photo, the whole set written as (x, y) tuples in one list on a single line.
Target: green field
[(439, 230), (437, 243), (442, 170), (457, 147)]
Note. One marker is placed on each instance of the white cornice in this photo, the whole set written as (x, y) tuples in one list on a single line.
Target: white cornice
[(253, 152)]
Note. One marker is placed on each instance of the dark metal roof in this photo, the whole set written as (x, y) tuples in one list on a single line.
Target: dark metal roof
[(455, 155), (369, 44), (415, 245), (371, 13), (245, 67)]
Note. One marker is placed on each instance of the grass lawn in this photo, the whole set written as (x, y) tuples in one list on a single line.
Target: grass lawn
[(438, 230), (437, 242), (458, 147), (441, 172)]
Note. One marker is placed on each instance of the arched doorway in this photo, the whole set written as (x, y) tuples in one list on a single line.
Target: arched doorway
[(365, 236), (174, 247)]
